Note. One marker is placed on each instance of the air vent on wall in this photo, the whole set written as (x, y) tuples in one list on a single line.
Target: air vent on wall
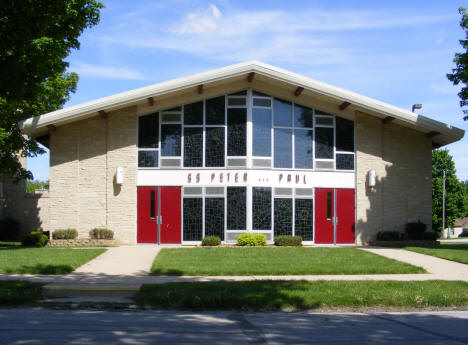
[(236, 162), (324, 165), (170, 162)]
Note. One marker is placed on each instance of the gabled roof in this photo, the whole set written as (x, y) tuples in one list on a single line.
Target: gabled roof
[(441, 133)]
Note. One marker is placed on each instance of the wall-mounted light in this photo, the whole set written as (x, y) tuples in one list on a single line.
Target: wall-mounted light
[(416, 106), (119, 175), (372, 178)]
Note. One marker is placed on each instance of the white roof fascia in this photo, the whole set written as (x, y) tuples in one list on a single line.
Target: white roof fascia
[(121, 99)]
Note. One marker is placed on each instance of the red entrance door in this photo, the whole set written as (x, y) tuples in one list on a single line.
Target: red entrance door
[(324, 213), (158, 212), (334, 216), (345, 211)]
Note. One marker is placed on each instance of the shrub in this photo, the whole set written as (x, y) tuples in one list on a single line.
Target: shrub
[(10, 229), (211, 241), (415, 228), (425, 236), (101, 234), (293, 241), (35, 238), (251, 239), (390, 236), (65, 234)]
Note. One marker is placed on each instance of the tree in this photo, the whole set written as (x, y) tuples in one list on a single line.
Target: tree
[(36, 37), (460, 73), (456, 196)]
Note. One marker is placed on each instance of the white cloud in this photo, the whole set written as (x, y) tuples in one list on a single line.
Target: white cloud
[(202, 22), (107, 72)]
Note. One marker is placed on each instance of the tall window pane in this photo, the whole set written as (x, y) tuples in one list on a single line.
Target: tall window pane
[(283, 148), (324, 142), (261, 208), (214, 146), (303, 148), (170, 140), (236, 208), (193, 226), (283, 113), (237, 132), (344, 135), (148, 131), (193, 114), (303, 116), (193, 147), (215, 111), (261, 132), (283, 217), (304, 221), (214, 217)]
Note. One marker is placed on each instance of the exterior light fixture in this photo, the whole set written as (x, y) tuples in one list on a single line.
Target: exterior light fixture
[(119, 175), (416, 106), (372, 178)]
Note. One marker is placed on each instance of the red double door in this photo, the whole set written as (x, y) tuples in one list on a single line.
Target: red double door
[(159, 215), (334, 216)]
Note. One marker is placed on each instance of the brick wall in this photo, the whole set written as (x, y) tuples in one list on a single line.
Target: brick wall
[(401, 158), (84, 156)]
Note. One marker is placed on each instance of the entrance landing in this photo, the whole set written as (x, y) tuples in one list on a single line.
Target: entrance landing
[(123, 260)]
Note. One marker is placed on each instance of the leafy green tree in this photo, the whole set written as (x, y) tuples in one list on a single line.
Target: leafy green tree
[(32, 186), (35, 38), (459, 74), (456, 196)]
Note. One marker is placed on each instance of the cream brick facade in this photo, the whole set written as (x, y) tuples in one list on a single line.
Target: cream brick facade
[(401, 158), (84, 156)]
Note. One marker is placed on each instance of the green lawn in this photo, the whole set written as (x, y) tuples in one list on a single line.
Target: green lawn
[(450, 251), (19, 292), (47, 260), (274, 295), (274, 261), (9, 244)]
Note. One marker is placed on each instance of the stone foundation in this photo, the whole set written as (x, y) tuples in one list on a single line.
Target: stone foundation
[(82, 242)]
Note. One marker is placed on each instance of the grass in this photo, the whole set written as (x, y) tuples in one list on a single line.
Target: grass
[(450, 251), (19, 292), (23, 260), (274, 261), (297, 295), (9, 244)]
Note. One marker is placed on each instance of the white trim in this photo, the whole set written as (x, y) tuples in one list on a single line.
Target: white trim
[(448, 133)]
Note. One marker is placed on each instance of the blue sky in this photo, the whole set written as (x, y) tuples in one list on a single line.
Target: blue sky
[(398, 52)]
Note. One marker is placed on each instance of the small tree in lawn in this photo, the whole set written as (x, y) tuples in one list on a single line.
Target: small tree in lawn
[(456, 196)]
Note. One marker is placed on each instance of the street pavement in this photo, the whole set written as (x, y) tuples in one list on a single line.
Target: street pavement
[(46, 326)]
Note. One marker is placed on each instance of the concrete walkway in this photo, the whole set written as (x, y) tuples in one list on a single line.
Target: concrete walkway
[(123, 260)]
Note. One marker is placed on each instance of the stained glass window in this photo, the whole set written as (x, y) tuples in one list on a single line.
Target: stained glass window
[(304, 219), (215, 111), (344, 135), (214, 217), (283, 148), (261, 208), (193, 114), (344, 161), (283, 216), (214, 149), (170, 140), (147, 159), (193, 226), (303, 116), (148, 131), (303, 139), (324, 142), (193, 146), (261, 136), (237, 133), (283, 113), (236, 208)]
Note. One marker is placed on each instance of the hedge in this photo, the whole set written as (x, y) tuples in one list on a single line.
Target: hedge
[(35, 238), (292, 241), (65, 234), (251, 239), (211, 241), (104, 234)]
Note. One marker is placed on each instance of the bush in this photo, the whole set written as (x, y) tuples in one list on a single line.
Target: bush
[(35, 238), (211, 241), (65, 234), (293, 241), (101, 234), (251, 239), (415, 228), (390, 236), (10, 230), (424, 236)]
